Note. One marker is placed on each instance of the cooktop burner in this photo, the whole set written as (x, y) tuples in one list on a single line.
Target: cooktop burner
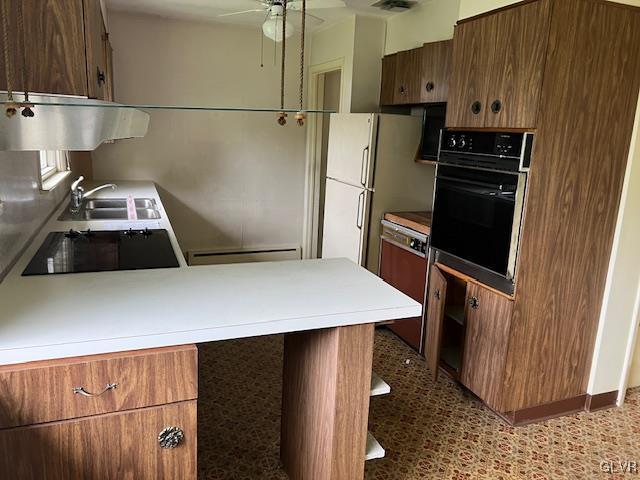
[(88, 251)]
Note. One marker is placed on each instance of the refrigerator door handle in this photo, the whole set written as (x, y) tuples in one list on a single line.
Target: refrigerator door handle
[(364, 172), (359, 220)]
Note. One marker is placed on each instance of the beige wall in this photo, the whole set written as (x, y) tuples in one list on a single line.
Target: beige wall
[(430, 21), (228, 180)]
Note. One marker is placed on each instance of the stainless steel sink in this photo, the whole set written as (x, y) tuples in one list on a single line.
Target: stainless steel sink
[(100, 203), (112, 209)]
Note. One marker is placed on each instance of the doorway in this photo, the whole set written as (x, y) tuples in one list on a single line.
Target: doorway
[(325, 94)]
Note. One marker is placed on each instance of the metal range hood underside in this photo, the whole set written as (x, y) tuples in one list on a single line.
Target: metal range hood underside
[(68, 123)]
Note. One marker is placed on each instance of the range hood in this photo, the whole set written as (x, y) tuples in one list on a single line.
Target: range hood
[(68, 123)]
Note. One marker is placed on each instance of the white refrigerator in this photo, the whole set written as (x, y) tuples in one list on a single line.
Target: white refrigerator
[(371, 169)]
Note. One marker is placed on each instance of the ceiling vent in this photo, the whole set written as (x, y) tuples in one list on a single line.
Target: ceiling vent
[(394, 5)]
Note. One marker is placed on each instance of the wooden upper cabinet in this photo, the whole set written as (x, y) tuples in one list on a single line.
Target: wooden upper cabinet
[(498, 63), (435, 316), (54, 49), (516, 77), (96, 36), (408, 76), (473, 44), (435, 71), (108, 52), (488, 326), (387, 86)]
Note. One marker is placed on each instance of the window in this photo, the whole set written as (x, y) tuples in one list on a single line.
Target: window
[(54, 167)]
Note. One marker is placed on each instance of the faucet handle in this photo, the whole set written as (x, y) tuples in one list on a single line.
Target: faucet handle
[(75, 185)]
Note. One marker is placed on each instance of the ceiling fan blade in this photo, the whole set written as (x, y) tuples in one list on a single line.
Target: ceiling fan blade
[(316, 4), (315, 17), (242, 12)]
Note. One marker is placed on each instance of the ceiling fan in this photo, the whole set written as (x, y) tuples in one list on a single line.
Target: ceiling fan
[(274, 9)]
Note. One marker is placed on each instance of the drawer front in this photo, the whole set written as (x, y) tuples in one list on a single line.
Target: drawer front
[(78, 387), (121, 446)]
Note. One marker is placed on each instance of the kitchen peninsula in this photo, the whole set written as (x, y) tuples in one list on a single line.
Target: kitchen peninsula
[(99, 379)]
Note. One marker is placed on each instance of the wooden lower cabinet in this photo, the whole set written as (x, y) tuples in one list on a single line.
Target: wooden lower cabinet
[(468, 328), (488, 324), (119, 446)]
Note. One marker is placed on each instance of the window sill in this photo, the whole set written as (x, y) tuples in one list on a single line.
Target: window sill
[(53, 181)]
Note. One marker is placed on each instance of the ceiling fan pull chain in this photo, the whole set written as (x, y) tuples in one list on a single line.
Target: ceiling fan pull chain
[(300, 116), (10, 107), (282, 115)]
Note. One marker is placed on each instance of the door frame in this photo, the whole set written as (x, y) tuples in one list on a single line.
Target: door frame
[(314, 152)]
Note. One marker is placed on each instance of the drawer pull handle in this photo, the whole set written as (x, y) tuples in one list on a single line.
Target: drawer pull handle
[(83, 392), (170, 437)]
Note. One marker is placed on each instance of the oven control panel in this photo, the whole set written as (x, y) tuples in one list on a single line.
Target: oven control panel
[(510, 151)]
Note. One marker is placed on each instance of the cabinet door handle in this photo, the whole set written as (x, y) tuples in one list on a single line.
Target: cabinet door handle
[(402, 90), (85, 393), (102, 78), (496, 106), (476, 107), (437, 294), (430, 86), (170, 437), (474, 303)]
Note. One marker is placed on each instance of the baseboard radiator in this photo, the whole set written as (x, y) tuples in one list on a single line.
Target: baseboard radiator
[(263, 254)]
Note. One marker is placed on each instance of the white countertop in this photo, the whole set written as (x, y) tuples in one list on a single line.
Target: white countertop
[(55, 316)]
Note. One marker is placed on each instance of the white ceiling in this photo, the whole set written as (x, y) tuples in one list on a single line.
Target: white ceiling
[(208, 10)]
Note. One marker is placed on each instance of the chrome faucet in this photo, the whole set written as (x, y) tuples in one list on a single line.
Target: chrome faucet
[(78, 194)]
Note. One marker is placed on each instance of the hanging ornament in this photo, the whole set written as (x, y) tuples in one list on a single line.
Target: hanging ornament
[(300, 116), (282, 116)]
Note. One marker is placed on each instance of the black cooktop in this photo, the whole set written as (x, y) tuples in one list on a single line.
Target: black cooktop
[(100, 251)]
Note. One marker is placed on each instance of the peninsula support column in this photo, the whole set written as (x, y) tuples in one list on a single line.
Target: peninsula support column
[(325, 402)]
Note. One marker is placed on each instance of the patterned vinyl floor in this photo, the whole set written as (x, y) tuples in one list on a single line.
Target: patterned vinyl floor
[(430, 431)]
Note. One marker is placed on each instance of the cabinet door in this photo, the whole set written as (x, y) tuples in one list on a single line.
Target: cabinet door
[(107, 447), (516, 78), (436, 71), (53, 47), (435, 316), (408, 76), (96, 59), (488, 319), (108, 52), (473, 45), (407, 272), (387, 85)]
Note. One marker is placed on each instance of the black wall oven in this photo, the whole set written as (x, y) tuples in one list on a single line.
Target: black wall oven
[(478, 204)]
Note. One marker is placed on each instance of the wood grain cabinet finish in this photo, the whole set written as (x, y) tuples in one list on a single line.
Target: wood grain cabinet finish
[(408, 76), (41, 392), (488, 326), (108, 52), (96, 36), (54, 48), (435, 316), (473, 48), (387, 85), (587, 108), (120, 446), (498, 67), (435, 71), (515, 76)]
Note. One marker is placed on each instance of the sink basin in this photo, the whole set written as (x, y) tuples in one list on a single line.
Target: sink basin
[(112, 209), (100, 203)]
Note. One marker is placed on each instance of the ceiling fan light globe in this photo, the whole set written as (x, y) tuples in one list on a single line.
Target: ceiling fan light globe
[(272, 28)]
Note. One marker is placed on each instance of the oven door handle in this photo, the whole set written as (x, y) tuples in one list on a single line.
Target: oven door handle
[(492, 186)]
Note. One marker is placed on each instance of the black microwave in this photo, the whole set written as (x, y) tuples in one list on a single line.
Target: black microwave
[(432, 123)]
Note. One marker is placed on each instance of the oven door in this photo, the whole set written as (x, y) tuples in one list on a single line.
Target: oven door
[(476, 217)]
